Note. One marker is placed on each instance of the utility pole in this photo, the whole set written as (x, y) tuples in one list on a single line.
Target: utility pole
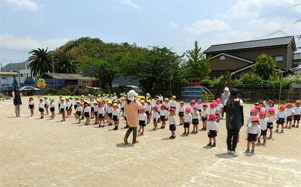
[(53, 72)]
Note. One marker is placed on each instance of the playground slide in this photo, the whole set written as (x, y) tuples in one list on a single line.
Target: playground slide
[(75, 90), (6, 97)]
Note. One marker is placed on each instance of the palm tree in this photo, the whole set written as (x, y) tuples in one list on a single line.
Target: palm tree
[(40, 61), (65, 63)]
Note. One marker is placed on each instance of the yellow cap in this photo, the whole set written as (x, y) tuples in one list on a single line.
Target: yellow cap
[(109, 102), (115, 104)]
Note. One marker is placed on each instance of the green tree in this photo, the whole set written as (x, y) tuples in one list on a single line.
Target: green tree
[(198, 65), (264, 66), (40, 61), (65, 63)]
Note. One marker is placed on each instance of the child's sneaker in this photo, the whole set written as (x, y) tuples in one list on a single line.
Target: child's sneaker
[(171, 137), (282, 131), (41, 117), (233, 152), (209, 144), (270, 137), (285, 126), (192, 132), (276, 130), (78, 122), (253, 151), (184, 134), (297, 126), (229, 151), (187, 134), (264, 142), (259, 142), (31, 115), (115, 128), (138, 131), (293, 125), (162, 127), (135, 142), (141, 134), (213, 145), (248, 150), (289, 127)]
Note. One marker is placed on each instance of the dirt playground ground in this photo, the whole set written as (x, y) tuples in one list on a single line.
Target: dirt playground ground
[(43, 152)]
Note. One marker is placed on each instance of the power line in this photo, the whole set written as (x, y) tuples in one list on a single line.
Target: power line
[(16, 50)]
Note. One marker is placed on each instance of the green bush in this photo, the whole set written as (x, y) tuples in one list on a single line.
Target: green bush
[(249, 80), (206, 83), (216, 81), (64, 91)]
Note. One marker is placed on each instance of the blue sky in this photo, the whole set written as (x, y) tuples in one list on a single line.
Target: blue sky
[(176, 24)]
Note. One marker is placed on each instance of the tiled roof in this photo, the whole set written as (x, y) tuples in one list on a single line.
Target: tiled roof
[(251, 44)]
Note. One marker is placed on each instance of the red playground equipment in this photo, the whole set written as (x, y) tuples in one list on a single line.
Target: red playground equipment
[(194, 82)]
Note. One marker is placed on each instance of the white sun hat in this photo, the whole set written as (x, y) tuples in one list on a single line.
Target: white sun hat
[(131, 95), (226, 89)]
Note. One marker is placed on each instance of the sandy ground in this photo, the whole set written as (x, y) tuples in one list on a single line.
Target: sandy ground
[(35, 152)]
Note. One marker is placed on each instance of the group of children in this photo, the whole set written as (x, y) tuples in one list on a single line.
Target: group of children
[(262, 117), (108, 110)]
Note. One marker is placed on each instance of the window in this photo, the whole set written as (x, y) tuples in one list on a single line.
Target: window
[(278, 58), (222, 57)]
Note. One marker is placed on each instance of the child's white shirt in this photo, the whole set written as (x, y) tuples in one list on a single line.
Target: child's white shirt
[(63, 105), (122, 104), (211, 126), (271, 119), (46, 101), (166, 105), (31, 102), (109, 109), (116, 112), (41, 105), (101, 110), (281, 114), (195, 114), (297, 110), (88, 109), (156, 115), (79, 108), (212, 111), (181, 109), (148, 108), (52, 104), (187, 117), (200, 106), (254, 129), (204, 113), (220, 106), (173, 103), (163, 112), (68, 104), (262, 109), (142, 117), (289, 111), (95, 108), (263, 123), (172, 119), (75, 102)]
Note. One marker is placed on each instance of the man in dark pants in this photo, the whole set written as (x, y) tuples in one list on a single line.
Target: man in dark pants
[(234, 119)]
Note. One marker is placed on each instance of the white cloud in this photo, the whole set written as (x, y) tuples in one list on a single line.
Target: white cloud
[(130, 3), (206, 26), (173, 25), (256, 8), (24, 4), (8, 41)]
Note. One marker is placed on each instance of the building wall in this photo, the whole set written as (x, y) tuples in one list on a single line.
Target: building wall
[(252, 54), (227, 64)]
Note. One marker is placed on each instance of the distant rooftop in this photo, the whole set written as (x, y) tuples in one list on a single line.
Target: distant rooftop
[(66, 76), (270, 42)]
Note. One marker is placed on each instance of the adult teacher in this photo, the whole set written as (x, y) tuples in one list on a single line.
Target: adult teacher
[(234, 119), (224, 97), (17, 100), (131, 107)]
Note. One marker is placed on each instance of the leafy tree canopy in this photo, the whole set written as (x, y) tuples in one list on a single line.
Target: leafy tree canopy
[(265, 66)]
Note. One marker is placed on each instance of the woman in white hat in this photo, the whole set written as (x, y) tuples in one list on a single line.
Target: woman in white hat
[(131, 107), (224, 97)]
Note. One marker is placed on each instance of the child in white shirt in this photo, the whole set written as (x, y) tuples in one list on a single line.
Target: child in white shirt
[(212, 130), (41, 108), (253, 132), (163, 115), (263, 122), (187, 121), (78, 111), (148, 110), (101, 114), (271, 118), (46, 102), (204, 115), (87, 112), (52, 107), (156, 117), (181, 112), (290, 113), (281, 117), (31, 106), (142, 120), (62, 109), (115, 114), (297, 114), (195, 119), (172, 123)]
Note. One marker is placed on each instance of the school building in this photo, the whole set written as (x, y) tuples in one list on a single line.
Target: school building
[(238, 58)]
